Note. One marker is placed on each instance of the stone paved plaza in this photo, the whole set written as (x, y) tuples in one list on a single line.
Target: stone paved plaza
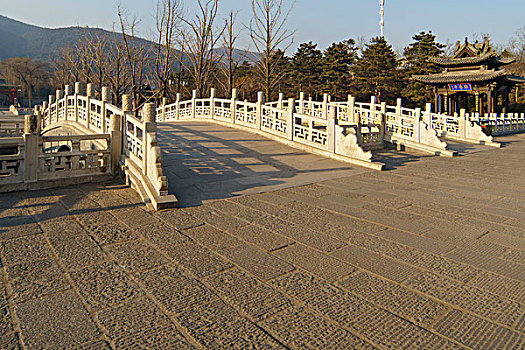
[(427, 255)]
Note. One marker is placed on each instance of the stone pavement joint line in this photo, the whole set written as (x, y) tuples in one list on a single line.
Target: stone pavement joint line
[(313, 255)]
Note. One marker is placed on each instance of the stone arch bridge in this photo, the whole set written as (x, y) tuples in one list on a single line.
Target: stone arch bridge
[(101, 139)]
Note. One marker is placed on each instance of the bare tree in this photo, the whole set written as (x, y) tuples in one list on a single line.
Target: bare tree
[(92, 48), (137, 56), (67, 66), (168, 21), (116, 72), (28, 73), (200, 39), (230, 62), (268, 34)]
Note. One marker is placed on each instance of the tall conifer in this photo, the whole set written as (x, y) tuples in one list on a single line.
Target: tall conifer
[(376, 72), (416, 62)]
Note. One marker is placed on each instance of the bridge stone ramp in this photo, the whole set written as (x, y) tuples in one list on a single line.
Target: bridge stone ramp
[(205, 161), (463, 148)]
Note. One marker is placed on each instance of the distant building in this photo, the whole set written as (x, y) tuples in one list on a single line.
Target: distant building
[(8, 94), (473, 79)]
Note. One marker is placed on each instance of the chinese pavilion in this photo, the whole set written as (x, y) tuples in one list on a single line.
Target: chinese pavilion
[(473, 79)]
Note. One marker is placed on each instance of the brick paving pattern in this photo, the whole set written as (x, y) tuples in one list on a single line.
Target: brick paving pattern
[(428, 255)]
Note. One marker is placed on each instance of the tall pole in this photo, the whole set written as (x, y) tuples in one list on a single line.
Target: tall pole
[(382, 13)]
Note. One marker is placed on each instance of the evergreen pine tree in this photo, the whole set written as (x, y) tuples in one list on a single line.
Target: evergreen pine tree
[(336, 68), (306, 68), (376, 72), (416, 63), (282, 79)]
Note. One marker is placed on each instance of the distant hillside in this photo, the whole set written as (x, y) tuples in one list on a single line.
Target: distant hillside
[(21, 39)]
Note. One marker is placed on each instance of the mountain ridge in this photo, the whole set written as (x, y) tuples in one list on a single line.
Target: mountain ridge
[(20, 39)]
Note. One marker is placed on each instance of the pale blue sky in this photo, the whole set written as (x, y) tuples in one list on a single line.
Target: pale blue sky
[(321, 21)]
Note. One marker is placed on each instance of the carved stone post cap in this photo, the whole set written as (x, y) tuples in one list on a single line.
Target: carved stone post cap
[(127, 103), (67, 89), (164, 100), (212, 92), (78, 88), (178, 96), (114, 122), (399, 101), (59, 94), (149, 112), (281, 96), (301, 95), (234, 93), (194, 94), (260, 96), (31, 124), (90, 90), (51, 99), (106, 94)]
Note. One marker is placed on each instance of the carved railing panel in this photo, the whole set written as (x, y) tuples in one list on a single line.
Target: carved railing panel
[(11, 160), (222, 109), (74, 155)]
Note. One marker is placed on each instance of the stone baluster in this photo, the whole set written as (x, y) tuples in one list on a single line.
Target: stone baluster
[(115, 130), (233, 105), (259, 112), (351, 109), (398, 106), (212, 103), (149, 134), (382, 127), (44, 114), (78, 91), (301, 102), (417, 125), (326, 99), (89, 95), (67, 93), (105, 98), (373, 101), (463, 123), (177, 106), (290, 119), (193, 104), (59, 97), (164, 103), (31, 143), (428, 114), (51, 100), (330, 130)]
